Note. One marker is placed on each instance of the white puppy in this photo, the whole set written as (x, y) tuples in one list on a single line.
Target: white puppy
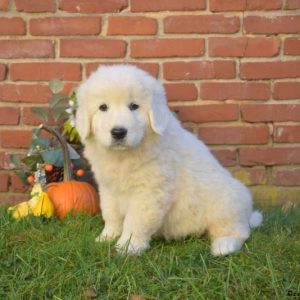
[(155, 178)]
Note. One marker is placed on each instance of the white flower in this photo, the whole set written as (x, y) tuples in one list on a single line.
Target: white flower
[(72, 121), (71, 103), (69, 110)]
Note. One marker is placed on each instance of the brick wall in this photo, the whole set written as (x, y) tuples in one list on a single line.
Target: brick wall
[(231, 69)]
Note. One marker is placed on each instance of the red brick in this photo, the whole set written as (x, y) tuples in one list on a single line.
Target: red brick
[(292, 46), (169, 5), (9, 115), (243, 46), (104, 48), (26, 48), (208, 113), (167, 47), (286, 177), (151, 68), (201, 24), (134, 25), (292, 4), (270, 112), (28, 118), (235, 90), (263, 5), (193, 70), (45, 71), (2, 72), (93, 6), (233, 5), (24, 93), (2, 155), (16, 184), (242, 5), (272, 24), (226, 157), (233, 135), (287, 133), (251, 176), (68, 87), (65, 26), (15, 138), (270, 70), (269, 156), (181, 91), (4, 4), (286, 90), (4, 181), (12, 199), (12, 26), (34, 6)]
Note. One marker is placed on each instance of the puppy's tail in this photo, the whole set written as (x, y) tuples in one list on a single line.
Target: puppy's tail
[(255, 219)]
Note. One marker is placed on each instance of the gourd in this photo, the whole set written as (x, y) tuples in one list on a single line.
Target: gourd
[(70, 196)]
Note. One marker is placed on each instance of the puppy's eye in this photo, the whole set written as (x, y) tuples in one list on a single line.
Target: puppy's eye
[(103, 107), (133, 106)]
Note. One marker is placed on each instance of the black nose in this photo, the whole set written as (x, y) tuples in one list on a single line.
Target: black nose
[(118, 133)]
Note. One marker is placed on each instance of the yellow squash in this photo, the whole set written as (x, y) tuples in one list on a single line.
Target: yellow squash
[(44, 206), (38, 205)]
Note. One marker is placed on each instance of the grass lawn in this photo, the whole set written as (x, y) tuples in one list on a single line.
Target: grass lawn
[(59, 260)]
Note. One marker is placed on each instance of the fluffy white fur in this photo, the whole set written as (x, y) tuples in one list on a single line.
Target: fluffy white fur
[(160, 179)]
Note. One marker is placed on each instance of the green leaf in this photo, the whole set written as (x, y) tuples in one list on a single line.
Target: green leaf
[(71, 132), (23, 177), (53, 157), (42, 142), (40, 112), (59, 114), (74, 136), (15, 160), (56, 86), (73, 152), (58, 99), (73, 94), (32, 160)]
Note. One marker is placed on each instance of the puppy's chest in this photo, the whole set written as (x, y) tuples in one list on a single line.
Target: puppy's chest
[(120, 177)]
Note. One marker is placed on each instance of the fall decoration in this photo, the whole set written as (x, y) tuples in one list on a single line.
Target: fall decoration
[(48, 160), (38, 205), (70, 195), (44, 206), (80, 172), (45, 152), (30, 179), (48, 168)]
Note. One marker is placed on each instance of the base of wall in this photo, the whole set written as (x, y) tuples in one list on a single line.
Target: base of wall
[(274, 195)]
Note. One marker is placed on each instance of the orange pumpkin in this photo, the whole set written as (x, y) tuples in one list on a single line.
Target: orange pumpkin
[(70, 195), (73, 196)]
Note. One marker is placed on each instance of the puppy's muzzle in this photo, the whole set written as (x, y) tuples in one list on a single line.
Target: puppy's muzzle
[(118, 133)]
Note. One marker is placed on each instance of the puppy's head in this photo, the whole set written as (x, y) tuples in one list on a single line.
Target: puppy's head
[(118, 105)]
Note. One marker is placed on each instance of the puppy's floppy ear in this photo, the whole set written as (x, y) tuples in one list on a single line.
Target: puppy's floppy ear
[(159, 112), (83, 125)]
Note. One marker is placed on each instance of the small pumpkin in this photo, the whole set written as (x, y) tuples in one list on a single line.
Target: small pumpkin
[(70, 195)]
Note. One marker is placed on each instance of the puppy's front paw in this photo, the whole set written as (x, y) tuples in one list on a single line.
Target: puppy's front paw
[(108, 234), (131, 245), (225, 245)]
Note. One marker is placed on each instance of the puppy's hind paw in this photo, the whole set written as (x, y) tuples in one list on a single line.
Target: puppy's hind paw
[(225, 245)]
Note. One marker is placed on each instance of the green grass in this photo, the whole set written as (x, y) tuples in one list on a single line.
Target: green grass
[(59, 260)]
